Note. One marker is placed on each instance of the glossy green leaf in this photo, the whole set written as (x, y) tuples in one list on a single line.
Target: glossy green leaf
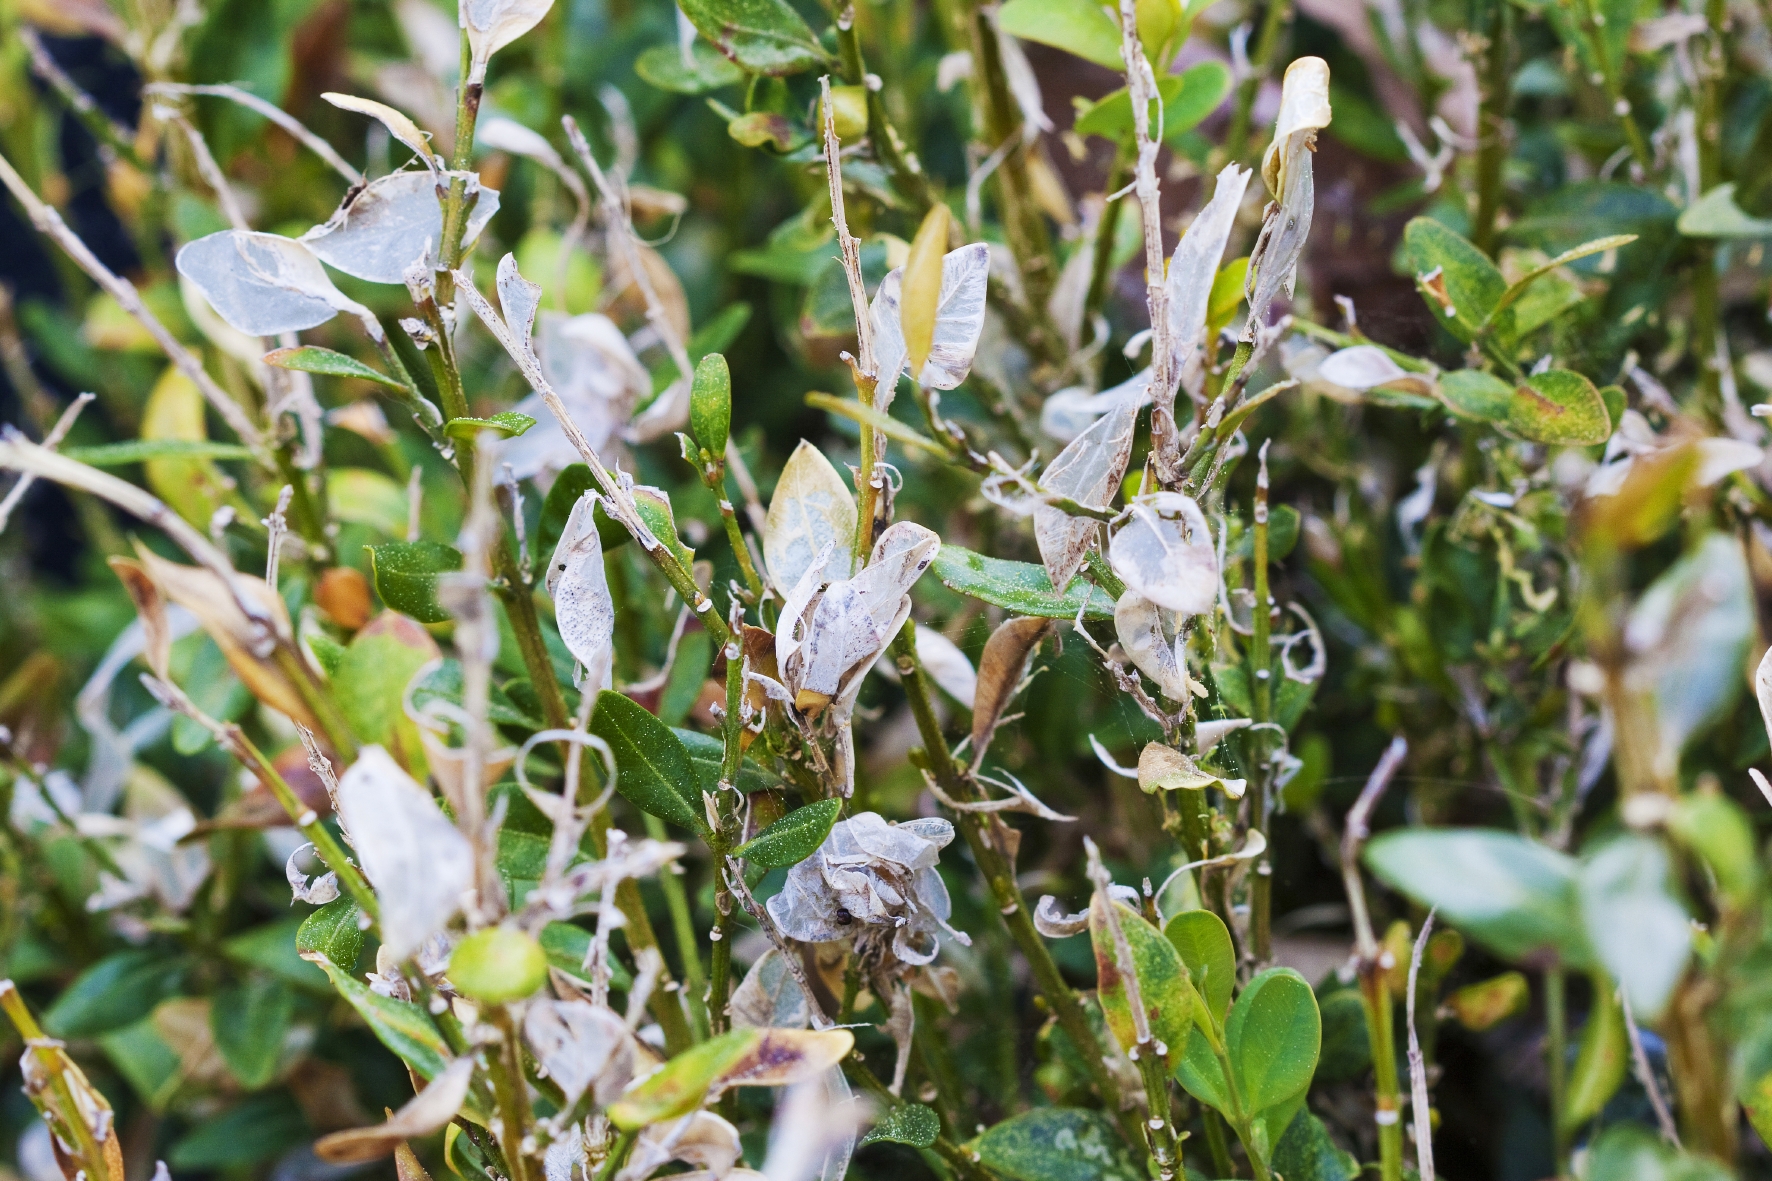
[(679, 1086), (1586, 250), (1188, 98), (116, 991), (1020, 587), (1601, 1062), (401, 1026), (763, 36), (1476, 393), (506, 424), (444, 683), (1514, 896), (710, 404), (142, 450), (1161, 977), (150, 1066), (566, 946), (1075, 26), (1461, 286), (274, 948), (1204, 944), (1638, 930), (652, 769), (793, 838), (1306, 1153), (405, 574), (1716, 215), (654, 507), (1718, 830), (1273, 1037), (1056, 1144), (1347, 1048), (708, 754), (663, 66), (249, 1022), (1282, 535), (1633, 1152), (262, 1127), (326, 363), (910, 1123), (334, 931), (688, 676), (1559, 406)]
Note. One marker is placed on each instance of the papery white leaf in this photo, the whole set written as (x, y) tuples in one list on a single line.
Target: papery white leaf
[(1107, 760), (812, 506), (519, 300), (599, 380), (699, 1138), (769, 997), (579, 586), (946, 665), (1051, 920), (1087, 471), (416, 860), (582, 1047), (1719, 457), (1069, 412), (508, 135), (1195, 263), (399, 125), (423, 1114), (1365, 367), (1165, 553), (1209, 734), (890, 351), (1304, 111), (959, 316), (493, 24), (1153, 648), (263, 284), (393, 222), (320, 891)]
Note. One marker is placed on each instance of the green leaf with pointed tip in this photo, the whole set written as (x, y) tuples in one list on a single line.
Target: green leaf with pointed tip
[(1273, 1036), (708, 753), (793, 838), (763, 36), (1056, 1144), (507, 424), (334, 931), (1162, 980), (405, 574), (1476, 393), (1205, 947), (249, 1022), (325, 362), (1559, 406), (1075, 26), (1459, 283), (401, 1026), (1585, 250), (1716, 215), (1188, 97), (652, 770), (912, 1124), (679, 1086), (142, 450), (663, 67), (116, 991), (1021, 587)]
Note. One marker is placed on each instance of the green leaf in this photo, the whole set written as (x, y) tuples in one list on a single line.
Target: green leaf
[(370, 688), (1306, 1153), (1596, 246), (444, 683), (401, 1026), (326, 363), (262, 1127), (142, 450), (763, 36), (1559, 406), (1571, 214), (1075, 26), (793, 838), (1514, 896), (363, 496), (1347, 1048), (566, 945), (250, 1022), (654, 507), (891, 427), (1021, 587), (405, 574), (334, 931), (1056, 1144), (1632, 1152), (1282, 535), (768, 129), (708, 754), (652, 770), (1162, 980), (1187, 97), (1459, 283), (274, 948), (1476, 393), (1716, 215), (663, 67), (507, 424), (688, 674), (1600, 1063), (1638, 930), (1718, 830), (1204, 944), (118, 990), (1273, 1036), (151, 1067), (710, 404), (679, 1086), (911, 1123)]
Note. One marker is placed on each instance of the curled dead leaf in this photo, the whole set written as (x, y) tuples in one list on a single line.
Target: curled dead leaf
[(1000, 669)]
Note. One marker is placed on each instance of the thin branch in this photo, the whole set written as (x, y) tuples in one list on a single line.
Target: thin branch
[(1424, 1128), (1664, 1118), (112, 135), (50, 442), (1353, 838), (846, 242), (270, 111)]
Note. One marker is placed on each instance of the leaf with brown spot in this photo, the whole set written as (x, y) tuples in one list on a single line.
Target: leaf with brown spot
[(1000, 670)]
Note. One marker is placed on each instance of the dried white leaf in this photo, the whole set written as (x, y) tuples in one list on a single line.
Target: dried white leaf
[(769, 997), (890, 351), (393, 222), (416, 860), (579, 586), (599, 380), (318, 892), (1366, 367), (493, 24), (1051, 920), (1195, 263), (1164, 552), (812, 507), (508, 135), (1209, 734), (1304, 109), (946, 665), (582, 1047), (699, 1138), (1107, 760), (519, 300), (1087, 471), (263, 284), (399, 125), (423, 1114), (1150, 638)]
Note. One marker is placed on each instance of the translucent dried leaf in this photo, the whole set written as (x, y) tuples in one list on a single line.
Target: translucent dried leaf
[(318, 892), (812, 506), (946, 665), (1366, 367), (699, 1138), (416, 860), (399, 125), (1052, 921), (493, 24), (150, 608), (1000, 668), (582, 1047), (1087, 471), (1069, 412), (425, 1113), (769, 997), (508, 135), (579, 586), (1304, 109), (599, 380), (959, 322), (1194, 265), (393, 222), (1163, 768), (1164, 552), (263, 284), (1148, 636)]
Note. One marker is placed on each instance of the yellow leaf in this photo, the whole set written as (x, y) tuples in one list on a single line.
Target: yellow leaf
[(920, 292), (193, 487)]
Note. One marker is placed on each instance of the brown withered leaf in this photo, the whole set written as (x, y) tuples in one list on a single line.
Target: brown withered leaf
[(150, 608), (1000, 668), (326, 1095), (625, 299), (425, 1113), (343, 593)]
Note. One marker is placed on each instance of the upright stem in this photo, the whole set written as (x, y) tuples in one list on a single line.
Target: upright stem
[(1707, 310), (1556, 1029), (683, 926), (54, 1062), (1492, 123), (504, 1063), (1261, 711), (1375, 994)]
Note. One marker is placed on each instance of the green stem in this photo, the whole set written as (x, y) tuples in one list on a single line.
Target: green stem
[(1261, 711), (683, 926), (1556, 1030), (959, 1159), (52, 1060), (1613, 85), (504, 1063), (1707, 302), (1492, 124), (1375, 993), (618, 1156), (1216, 1144), (1000, 879), (1101, 263)]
